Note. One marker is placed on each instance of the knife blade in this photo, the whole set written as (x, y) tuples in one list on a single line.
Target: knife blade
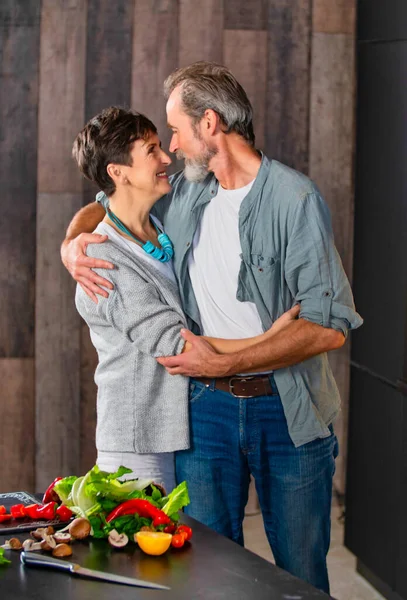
[(39, 560)]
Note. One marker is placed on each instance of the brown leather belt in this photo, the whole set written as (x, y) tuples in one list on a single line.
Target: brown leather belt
[(241, 386)]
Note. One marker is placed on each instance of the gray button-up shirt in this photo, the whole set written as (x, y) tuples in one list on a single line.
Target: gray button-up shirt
[(288, 256)]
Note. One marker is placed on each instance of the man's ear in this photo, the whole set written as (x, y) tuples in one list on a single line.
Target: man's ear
[(211, 122)]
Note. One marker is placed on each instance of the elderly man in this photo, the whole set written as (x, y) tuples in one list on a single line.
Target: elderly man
[(252, 238)]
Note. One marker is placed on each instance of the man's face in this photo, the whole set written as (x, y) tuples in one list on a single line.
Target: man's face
[(187, 141)]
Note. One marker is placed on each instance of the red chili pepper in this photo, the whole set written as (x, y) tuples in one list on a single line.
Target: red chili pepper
[(3, 509), (47, 511), (32, 510), (50, 495), (18, 511), (64, 513), (5, 517), (143, 508)]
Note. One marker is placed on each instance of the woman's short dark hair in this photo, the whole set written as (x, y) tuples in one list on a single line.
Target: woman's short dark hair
[(108, 138)]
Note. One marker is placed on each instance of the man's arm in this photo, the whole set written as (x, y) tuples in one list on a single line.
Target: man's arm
[(73, 251), (294, 343)]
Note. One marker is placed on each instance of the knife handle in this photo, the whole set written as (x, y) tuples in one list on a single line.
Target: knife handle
[(39, 560)]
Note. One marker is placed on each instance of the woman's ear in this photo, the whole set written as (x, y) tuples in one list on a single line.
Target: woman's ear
[(116, 173)]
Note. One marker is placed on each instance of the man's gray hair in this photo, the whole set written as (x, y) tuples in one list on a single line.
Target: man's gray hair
[(210, 85)]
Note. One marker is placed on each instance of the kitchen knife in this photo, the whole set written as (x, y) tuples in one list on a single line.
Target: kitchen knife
[(39, 560)]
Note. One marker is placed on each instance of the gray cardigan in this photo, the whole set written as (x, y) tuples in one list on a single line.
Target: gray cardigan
[(140, 407)]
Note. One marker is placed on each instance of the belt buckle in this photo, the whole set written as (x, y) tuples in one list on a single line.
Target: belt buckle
[(240, 379)]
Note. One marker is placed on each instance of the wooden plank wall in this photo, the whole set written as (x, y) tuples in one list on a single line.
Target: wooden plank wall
[(61, 61)]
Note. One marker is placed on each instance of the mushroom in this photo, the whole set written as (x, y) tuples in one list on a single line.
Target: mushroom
[(39, 533), (48, 543), (62, 538), (117, 540), (15, 544), (62, 550), (29, 545), (79, 528)]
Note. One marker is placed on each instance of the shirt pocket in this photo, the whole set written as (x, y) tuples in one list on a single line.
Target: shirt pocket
[(265, 271)]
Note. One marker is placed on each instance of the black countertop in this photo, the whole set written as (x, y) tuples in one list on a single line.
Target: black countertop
[(211, 567)]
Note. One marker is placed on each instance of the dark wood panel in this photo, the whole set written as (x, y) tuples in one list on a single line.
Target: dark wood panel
[(108, 61), (108, 56), (287, 118), (200, 31), (17, 442), (332, 102), (57, 346), (334, 16), (250, 68), (155, 56), (245, 14), (62, 90), (19, 51)]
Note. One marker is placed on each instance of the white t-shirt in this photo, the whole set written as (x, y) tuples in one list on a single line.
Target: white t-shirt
[(214, 264), (166, 268)]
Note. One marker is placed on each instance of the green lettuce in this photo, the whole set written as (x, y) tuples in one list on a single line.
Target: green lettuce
[(178, 498), (3, 560)]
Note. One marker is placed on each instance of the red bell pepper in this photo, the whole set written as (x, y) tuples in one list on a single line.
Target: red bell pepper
[(47, 511), (3, 509), (18, 511), (64, 513), (32, 510), (5, 517), (50, 495), (143, 508)]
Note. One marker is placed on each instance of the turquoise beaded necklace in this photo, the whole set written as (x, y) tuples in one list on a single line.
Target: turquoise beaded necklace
[(163, 254)]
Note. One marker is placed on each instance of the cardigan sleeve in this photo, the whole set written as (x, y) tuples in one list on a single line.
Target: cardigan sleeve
[(136, 308)]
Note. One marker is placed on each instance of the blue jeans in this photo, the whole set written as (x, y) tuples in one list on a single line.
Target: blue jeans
[(233, 437)]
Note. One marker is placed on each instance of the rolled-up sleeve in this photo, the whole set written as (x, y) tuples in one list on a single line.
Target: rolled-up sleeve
[(314, 271)]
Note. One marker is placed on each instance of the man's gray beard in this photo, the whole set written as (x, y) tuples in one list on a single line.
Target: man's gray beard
[(196, 169)]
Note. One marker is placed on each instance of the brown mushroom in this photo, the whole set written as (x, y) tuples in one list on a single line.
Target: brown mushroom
[(62, 538), (15, 544), (39, 533), (48, 543), (117, 540), (62, 550), (29, 545), (79, 528)]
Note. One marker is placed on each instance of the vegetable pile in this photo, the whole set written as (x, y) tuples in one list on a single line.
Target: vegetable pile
[(124, 507)]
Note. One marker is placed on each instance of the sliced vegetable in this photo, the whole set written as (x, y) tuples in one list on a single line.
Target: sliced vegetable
[(6, 517), (152, 542), (47, 511), (32, 510), (18, 511), (64, 513)]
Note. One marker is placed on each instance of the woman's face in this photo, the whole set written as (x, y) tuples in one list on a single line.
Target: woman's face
[(147, 173)]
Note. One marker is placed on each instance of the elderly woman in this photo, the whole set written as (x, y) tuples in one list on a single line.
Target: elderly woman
[(142, 411)]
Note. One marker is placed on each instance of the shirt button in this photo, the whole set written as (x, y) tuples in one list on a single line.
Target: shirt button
[(188, 244), (261, 270)]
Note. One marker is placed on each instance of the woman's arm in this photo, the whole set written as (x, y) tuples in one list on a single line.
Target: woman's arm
[(224, 346)]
